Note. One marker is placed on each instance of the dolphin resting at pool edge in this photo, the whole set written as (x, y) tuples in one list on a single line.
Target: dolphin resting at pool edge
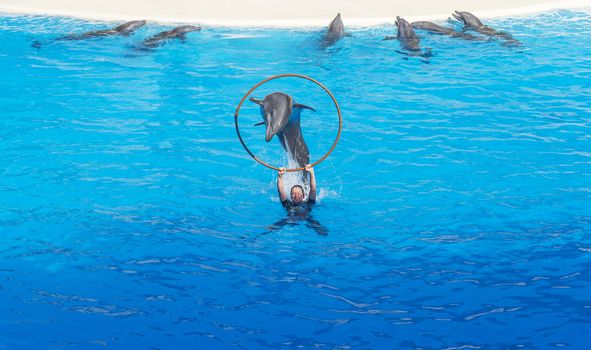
[(335, 31), (472, 22), (124, 29), (437, 29), (176, 33), (281, 117)]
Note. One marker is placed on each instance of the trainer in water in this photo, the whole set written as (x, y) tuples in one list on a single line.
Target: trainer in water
[(297, 194), (299, 209)]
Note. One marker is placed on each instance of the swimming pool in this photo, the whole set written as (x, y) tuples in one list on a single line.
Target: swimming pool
[(456, 203)]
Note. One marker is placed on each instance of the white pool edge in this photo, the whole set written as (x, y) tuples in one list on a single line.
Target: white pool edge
[(383, 12)]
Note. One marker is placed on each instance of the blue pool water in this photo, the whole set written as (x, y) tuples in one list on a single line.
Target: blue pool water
[(457, 203)]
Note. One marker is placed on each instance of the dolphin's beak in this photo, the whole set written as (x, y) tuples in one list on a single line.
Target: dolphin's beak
[(269, 134)]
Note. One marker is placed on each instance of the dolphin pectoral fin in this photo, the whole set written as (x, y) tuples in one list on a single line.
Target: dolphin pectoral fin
[(258, 102), (299, 105), (259, 124)]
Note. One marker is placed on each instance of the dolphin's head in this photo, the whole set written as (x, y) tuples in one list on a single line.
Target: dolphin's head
[(336, 28), (186, 29), (405, 30), (469, 20), (129, 27), (276, 110)]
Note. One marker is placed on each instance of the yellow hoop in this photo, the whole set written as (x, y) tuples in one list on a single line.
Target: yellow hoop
[(336, 140)]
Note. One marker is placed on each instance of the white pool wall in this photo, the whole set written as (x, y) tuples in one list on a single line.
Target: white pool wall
[(280, 13)]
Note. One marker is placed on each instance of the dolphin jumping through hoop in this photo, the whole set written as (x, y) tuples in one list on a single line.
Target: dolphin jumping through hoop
[(281, 116)]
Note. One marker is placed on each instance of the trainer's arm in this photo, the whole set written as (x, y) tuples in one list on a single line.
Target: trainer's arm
[(280, 190), (312, 194)]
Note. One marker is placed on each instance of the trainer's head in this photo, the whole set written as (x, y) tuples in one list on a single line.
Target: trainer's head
[(297, 194)]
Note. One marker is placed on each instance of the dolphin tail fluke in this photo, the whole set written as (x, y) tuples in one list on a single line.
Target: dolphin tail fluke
[(301, 106)]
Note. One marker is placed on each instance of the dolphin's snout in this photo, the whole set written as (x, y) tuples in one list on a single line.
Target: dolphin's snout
[(457, 15), (269, 132)]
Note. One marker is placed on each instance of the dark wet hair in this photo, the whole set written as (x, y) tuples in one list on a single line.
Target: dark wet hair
[(301, 188)]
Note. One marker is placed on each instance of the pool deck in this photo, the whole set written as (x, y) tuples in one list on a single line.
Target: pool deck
[(280, 13)]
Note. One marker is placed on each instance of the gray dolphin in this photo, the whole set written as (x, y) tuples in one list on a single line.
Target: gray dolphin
[(409, 40), (432, 27), (125, 29), (437, 29), (406, 35), (472, 22), (176, 33), (335, 31), (281, 116)]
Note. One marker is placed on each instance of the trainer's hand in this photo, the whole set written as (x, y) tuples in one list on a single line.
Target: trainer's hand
[(309, 168), (281, 172)]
